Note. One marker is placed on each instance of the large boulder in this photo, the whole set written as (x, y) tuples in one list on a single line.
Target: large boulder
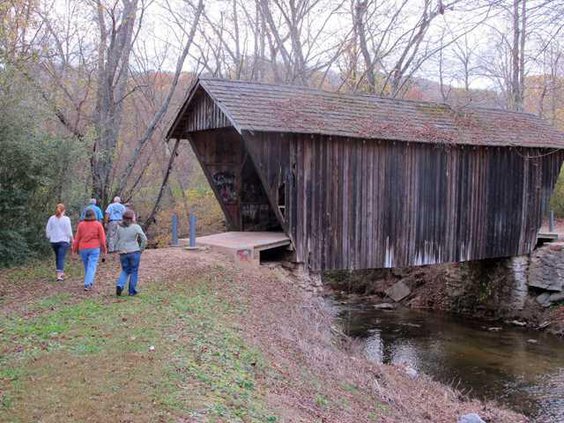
[(556, 297), (544, 299), (398, 291), (546, 267)]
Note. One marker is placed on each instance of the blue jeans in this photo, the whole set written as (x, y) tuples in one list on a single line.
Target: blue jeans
[(60, 249), (129, 269), (89, 258)]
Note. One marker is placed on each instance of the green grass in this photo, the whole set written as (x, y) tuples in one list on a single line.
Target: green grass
[(321, 401), (41, 270), (349, 387), (56, 300), (199, 365)]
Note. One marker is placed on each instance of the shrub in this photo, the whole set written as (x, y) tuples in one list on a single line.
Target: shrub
[(36, 173), (557, 200)]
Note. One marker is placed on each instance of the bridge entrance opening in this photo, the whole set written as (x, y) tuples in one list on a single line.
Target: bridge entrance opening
[(235, 181)]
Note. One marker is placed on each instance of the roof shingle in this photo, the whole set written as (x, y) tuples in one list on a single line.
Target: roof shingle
[(261, 107)]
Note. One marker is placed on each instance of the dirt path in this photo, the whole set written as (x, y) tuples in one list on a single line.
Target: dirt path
[(231, 344), (22, 287)]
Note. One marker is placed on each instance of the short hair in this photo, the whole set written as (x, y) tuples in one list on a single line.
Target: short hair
[(92, 201), (89, 215), (128, 217), (117, 199)]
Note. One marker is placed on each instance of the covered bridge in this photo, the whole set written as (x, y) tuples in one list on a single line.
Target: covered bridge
[(361, 182)]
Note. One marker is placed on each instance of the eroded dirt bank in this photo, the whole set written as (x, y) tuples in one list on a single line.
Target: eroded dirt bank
[(237, 344)]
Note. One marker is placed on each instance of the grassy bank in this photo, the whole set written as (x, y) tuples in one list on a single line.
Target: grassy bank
[(170, 352), (204, 341)]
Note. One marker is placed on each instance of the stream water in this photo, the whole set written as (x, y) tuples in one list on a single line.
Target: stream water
[(520, 368)]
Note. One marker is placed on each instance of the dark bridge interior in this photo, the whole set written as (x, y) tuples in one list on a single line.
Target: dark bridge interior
[(235, 181)]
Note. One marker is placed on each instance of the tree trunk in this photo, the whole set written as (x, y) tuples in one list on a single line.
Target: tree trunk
[(359, 14), (151, 219), (518, 56), (112, 79)]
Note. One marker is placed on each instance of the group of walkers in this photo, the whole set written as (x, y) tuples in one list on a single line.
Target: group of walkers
[(124, 236)]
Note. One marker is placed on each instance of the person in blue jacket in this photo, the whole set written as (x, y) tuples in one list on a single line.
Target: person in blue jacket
[(97, 210)]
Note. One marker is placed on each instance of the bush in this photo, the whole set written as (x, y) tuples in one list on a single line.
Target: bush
[(36, 173), (557, 200)]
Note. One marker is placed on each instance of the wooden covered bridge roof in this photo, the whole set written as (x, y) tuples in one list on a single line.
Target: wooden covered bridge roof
[(261, 107)]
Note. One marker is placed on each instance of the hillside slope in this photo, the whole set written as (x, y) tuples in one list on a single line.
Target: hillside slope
[(204, 341)]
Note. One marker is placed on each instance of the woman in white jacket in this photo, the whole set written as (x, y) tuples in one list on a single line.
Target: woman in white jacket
[(59, 233)]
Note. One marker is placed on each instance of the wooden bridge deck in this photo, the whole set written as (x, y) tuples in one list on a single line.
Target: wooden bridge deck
[(244, 246)]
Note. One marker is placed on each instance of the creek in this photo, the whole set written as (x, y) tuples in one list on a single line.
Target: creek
[(519, 368)]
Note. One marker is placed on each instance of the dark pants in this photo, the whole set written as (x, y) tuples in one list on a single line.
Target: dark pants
[(60, 249), (129, 270)]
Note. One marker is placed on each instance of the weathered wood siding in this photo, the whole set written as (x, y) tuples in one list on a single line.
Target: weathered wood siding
[(361, 204), (203, 114), (234, 180), (272, 161), (220, 154)]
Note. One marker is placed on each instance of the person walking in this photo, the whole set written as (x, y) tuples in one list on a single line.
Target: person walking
[(131, 242), (90, 239), (92, 205), (129, 207), (59, 233), (114, 215)]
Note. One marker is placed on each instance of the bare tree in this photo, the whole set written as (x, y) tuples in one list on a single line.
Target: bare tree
[(304, 34), (545, 91), (117, 25), (87, 77), (189, 33), (517, 96), (533, 27), (465, 53), (394, 38)]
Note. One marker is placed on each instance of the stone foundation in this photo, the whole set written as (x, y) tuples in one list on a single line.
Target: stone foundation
[(546, 268), (496, 288)]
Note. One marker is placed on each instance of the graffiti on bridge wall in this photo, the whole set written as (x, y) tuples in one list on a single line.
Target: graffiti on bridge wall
[(226, 186)]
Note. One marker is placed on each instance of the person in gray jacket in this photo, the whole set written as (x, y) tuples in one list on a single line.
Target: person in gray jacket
[(130, 242)]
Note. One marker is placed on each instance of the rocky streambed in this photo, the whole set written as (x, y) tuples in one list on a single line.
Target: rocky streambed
[(491, 328), (526, 290)]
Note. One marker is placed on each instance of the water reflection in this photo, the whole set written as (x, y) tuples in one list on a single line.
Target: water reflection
[(517, 367)]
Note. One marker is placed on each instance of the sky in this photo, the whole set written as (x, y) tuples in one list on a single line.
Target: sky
[(159, 42)]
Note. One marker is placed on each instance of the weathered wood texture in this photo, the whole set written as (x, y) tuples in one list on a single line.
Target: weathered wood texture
[(358, 204), (220, 154), (259, 107), (395, 183), (201, 114), (234, 180)]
